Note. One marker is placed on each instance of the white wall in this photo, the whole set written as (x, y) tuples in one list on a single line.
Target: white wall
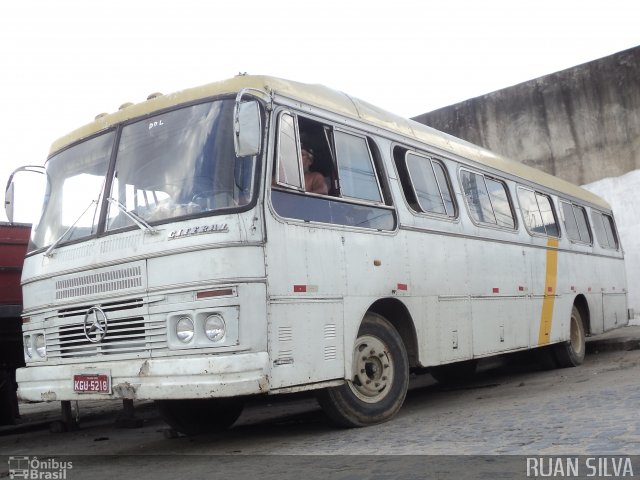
[(622, 193)]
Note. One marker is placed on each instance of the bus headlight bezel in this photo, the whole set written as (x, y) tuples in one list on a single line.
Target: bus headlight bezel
[(185, 329), (28, 347), (215, 328), (40, 345)]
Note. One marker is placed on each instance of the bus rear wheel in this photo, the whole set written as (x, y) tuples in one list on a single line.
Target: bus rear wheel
[(198, 416), (379, 379), (571, 353)]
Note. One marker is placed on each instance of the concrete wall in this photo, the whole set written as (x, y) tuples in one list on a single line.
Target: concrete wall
[(581, 124), (620, 192)]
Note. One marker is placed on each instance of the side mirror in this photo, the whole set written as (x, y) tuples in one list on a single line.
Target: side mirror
[(247, 128), (30, 194), (8, 201)]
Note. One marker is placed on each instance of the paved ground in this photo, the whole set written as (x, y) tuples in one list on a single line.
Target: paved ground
[(508, 412)]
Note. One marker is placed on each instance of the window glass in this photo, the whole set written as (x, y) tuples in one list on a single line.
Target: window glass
[(548, 218), (76, 178), (570, 224), (355, 169), (445, 188), (179, 163), (292, 204), (610, 231), (477, 196), (530, 211), (598, 226), (583, 224), (500, 202), (537, 212), (425, 185), (288, 165)]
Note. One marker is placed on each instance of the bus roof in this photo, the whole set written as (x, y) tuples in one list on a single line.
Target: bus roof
[(335, 101)]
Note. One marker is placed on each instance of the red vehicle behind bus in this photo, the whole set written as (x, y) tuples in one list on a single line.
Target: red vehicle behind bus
[(13, 246)]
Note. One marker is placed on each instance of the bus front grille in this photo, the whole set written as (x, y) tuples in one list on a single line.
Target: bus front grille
[(124, 336)]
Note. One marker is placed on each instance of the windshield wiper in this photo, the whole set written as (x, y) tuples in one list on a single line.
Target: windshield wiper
[(144, 226), (49, 252)]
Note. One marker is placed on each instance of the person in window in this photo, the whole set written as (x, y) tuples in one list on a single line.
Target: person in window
[(313, 181)]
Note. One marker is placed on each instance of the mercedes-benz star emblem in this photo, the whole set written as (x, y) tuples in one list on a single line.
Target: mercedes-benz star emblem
[(95, 325)]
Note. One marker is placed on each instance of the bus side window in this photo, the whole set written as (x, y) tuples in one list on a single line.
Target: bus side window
[(576, 223), (488, 200), (425, 184), (583, 224), (605, 230), (355, 168), (537, 212), (287, 168)]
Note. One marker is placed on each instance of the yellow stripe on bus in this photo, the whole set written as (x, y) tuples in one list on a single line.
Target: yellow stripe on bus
[(549, 292)]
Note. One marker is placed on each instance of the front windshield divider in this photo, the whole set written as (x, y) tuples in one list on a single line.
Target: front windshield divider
[(49, 252), (144, 226)]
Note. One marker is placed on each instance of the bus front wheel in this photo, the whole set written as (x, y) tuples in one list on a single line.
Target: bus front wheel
[(198, 416), (379, 379), (571, 353)]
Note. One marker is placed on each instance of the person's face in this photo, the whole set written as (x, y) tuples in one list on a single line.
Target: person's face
[(307, 159)]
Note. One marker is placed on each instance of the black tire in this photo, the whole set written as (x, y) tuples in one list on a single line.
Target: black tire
[(571, 353), (198, 416), (545, 357), (454, 373), (380, 378), (8, 399)]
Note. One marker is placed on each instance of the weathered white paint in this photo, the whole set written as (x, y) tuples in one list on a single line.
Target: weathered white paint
[(297, 290)]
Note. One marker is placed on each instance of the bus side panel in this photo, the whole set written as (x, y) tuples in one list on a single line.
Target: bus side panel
[(439, 271), (614, 308), (500, 310), (305, 342), (305, 275), (455, 335)]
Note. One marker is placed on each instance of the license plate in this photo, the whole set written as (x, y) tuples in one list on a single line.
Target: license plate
[(92, 383)]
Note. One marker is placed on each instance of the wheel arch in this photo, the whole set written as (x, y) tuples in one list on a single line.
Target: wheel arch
[(398, 315), (583, 306)]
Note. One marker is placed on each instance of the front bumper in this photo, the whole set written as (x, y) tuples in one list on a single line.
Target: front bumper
[(153, 379)]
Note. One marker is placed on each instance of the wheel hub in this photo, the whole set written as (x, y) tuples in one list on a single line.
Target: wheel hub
[(372, 369)]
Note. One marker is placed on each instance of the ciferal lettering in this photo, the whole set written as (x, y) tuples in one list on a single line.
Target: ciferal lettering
[(188, 232)]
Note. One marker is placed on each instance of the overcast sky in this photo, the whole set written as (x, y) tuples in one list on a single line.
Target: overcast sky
[(65, 61)]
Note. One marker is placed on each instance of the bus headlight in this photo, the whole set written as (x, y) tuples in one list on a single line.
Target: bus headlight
[(28, 347), (215, 328), (41, 347), (184, 329)]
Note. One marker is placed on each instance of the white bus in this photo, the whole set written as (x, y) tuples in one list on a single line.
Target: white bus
[(260, 236)]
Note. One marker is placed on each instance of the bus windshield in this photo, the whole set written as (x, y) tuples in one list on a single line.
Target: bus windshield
[(176, 164)]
